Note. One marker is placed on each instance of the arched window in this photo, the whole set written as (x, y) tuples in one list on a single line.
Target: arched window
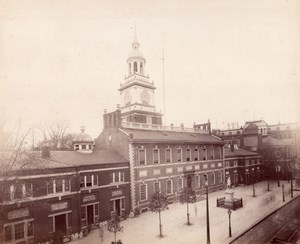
[(135, 67), (141, 68)]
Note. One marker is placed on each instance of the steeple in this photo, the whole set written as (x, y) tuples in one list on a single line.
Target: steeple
[(137, 91)]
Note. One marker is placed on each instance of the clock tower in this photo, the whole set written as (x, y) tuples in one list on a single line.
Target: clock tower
[(137, 91)]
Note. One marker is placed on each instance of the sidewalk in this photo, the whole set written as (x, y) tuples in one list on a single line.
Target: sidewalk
[(145, 229)]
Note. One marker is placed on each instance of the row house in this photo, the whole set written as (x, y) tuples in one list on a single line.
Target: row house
[(242, 166), (64, 192)]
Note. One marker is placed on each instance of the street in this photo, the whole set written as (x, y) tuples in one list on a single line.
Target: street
[(145, 229)]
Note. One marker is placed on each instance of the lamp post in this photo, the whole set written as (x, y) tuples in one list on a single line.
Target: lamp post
[(229, 214), (207, 212), (268, 178), (283, 192), (253, 186), (292, 182), (278, 171)]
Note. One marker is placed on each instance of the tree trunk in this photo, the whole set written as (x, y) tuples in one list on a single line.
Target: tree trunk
[(187, 213), (115, 237), (160, 225)]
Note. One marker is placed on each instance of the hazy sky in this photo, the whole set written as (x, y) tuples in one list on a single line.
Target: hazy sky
[(227, 61)]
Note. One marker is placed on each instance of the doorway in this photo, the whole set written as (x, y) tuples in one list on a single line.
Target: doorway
[(90, 214), (118, 207), (60, 223)]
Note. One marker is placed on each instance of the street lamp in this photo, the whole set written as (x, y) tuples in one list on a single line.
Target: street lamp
[(253, 187), (291, 175), (283, 192), (207, 212), (278, 171), (229, 213), (268, 178)]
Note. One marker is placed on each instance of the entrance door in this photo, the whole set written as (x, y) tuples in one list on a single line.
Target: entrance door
[(60, 223), (90, 214), (189, 181), (118, 207)]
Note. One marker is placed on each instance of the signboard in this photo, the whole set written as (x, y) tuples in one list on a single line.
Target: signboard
[(20, 213), (89, 198), (59, 206), (117, 193)]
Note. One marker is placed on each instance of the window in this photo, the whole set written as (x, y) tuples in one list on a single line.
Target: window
[(58, 185), (180, 184), (247, 162), (220, 176), (141, 68), (95, 180), (8, 233), (196, 154), (20, 190), (227, 164), (212, 153), (30, 228), (19, 231), (142, 157), (188, 154), (155, 156), (197, 181), (235, 163), (204, 156), (179, 155), (169, 187), (76, 147), (168, 155), (89, 180), (143, 192), (156, 187), (81, 179), (117, 177), (219, 153)]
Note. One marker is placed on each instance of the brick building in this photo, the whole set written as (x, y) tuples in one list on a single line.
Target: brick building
[(63, 192)]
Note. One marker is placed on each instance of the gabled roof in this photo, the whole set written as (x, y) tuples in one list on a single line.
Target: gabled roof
[(240, 152), (138, 135)]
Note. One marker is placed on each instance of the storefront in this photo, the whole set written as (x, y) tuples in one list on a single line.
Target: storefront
[(19, 227), (117, 202), (90, 210), (60, 218)]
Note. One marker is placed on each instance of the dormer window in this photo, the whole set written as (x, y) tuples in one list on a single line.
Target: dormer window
[(141, 68)]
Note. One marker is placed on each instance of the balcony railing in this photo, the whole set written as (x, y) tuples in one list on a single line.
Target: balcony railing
[(162, 127)]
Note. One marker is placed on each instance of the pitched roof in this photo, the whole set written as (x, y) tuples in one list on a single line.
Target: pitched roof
[(239, 152), (61, 159), (73, 158), (139, 135)]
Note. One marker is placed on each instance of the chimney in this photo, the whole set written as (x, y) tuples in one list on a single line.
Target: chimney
[(131, 136), (45, 152), (82, 129), (172, 125), (118, 106), (182, 125), (105, 111)]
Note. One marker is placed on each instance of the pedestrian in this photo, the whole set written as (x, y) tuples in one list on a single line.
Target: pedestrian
[(101, 232), (196, 210)]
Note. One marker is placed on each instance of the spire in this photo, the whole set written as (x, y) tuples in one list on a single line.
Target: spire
[(135, 43)]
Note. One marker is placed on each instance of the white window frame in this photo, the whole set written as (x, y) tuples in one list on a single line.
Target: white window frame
[(212, 153), (180, 184), (25, 229), (158, 155), (168, 149), (146, 192), (188, 151), (169, 180), (139, 156), (198, 180), (204, 153), (196, 149), (159, 186), (178, 148)]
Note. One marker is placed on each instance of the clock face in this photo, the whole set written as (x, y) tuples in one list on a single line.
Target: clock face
[(127, 98), (145, 97)]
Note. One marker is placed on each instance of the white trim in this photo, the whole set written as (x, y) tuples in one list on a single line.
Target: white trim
[(158, 155), (123, 132), (88, 204), (60, 213)]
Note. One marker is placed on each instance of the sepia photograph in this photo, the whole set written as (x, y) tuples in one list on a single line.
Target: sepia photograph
[(141, 122)]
